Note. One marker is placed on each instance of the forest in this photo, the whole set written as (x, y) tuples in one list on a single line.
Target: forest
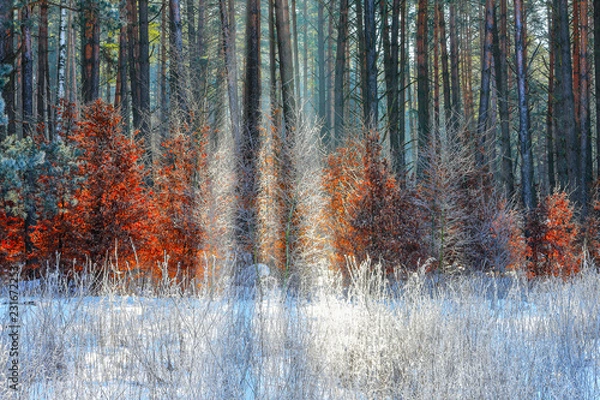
[(168, 136)]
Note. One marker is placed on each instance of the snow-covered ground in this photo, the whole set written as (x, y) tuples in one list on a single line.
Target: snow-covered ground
[(460, 338)]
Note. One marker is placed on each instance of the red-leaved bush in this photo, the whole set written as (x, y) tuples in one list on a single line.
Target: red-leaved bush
[(175, 224), (552, 238), (108, 216), (371, 215)]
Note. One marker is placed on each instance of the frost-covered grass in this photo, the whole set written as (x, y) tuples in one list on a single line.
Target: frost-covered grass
[(472, 337)]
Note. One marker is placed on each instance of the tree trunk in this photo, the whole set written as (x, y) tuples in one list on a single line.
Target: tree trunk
[(484, 93), (144, 81), (321, 67), (500, 65), (7, 56), (527, 187), (567, 146), (296, 50), (340, 69), (597, 79), (399, 152), (286, 64), (550, 132), (275, 115), (396, 145), (454, 69), (370, 96), (91, 52), (422, 81), (164, 88), (201, 50), (586, 168), (134, 57), (27, 72), (121, 86), (44, 107), (445, 68), (231, 69), (176, 66), (249, 146)]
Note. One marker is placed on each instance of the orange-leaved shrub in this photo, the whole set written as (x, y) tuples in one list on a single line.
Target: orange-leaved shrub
[(176, 227), (592, 231), (108, 216), (552, 247), (371, 215)]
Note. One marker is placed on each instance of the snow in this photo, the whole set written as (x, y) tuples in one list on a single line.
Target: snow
[(470, 337)]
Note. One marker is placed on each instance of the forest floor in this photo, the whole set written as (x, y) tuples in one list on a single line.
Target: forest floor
[(470, 337)]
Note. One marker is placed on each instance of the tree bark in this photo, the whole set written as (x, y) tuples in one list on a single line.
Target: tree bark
[(586, 168), (422, 81), (370, 97), (249, 146), (597, 79), (134, 57), (567, 146), (7, 57), (445, 68), (527, 187), (91, 52), (484, 92), (454, 69), (27, 72), (340, 70), (550, 124), (500, 65), (176, 65), (44, 104), (321, 67), (286, 63), (144, 79)]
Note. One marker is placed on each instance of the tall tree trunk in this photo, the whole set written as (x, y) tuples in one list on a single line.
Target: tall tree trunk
[(484, 93), (296, 48), (7, 58), (422, 81), (445, 68), (321, 68), (500, 65), (370, 98), (231, 70), (597, 79), (275, 115), (27, 72), (435, 78), (586, 168), (550, 120), (567, 146), (91, 52), (144, 71), (399, 152), (144, 65), (201, 50), (392, 88), (527, 187), (454, 69), (43, 73), (176, 65), (249, 146), (286, 64), (340, 70), (134, 57), (121, 86), (61, 69), (164, 88)]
